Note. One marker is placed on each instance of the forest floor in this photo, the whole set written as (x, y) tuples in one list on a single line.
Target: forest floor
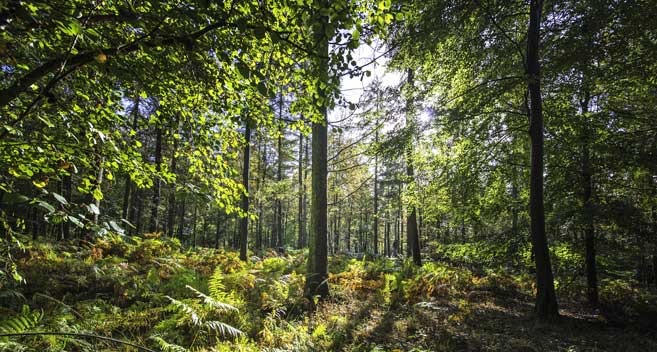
[(147, 292)]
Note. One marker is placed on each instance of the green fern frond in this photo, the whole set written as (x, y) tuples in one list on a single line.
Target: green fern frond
[(216, 284), (211, 301), (223, 328), (166, 346), (185, 308), (22, 322)]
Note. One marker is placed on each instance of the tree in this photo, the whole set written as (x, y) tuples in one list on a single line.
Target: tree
[(546, 299), (244, 220)]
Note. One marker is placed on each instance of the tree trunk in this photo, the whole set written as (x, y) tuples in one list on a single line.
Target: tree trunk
[(261, 186), (244, 221), (301, 216), (157, 187), (413, 240), (217, 233), (172, 195), (348, 237), (546, 300), (128, 183), (279, 178), (181, 221), (194, 226), (317, 274), (587, 199), (376, 182)]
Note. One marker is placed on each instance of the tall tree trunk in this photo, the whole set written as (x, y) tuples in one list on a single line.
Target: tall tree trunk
[(171, 216), (386, 236), (128, 183), (244, 221), (279, 178), (305, 193), (348, 237), (587, 199), (376, 195), (301, 216), (261, 185), (336, 230), (157, 187), (317, 274), (194, 226), (181, 221), (546, 300), (413, 240), (217, 233)]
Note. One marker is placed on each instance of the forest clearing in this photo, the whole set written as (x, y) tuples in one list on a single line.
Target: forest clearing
[(314, 175)]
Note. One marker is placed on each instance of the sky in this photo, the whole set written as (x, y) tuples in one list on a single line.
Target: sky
[(352, 88)]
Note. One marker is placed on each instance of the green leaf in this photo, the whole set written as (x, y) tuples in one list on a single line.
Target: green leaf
[(60, 198), (46, 206)]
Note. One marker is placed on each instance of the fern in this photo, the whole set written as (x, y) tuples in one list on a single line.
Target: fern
[(211, 325), (223, 328), (185, 308), (216, 284), (166, 346), (22, 322), (213, 302)]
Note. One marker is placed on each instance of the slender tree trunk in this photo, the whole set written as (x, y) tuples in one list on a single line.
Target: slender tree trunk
[(181, 221), (413, 241), (386, 239), (337, 231), (138, 209), (376, 183), (546, 300), (171, 216), (301, 216), (194, 226), (261, 185), (244, 222), (279, 178), (589, 228), (128, 183), (205, 231), (217, 233), (348, 238), (157, 187)]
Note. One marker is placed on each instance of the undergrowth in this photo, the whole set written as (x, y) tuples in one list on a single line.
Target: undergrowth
[(152, 292)]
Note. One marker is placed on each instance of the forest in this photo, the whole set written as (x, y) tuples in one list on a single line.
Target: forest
[(328, 175)]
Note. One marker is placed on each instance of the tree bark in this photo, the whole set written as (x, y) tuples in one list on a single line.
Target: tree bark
[(587, 200), (317, 274), (279, 177), (128, 183), (413, 240), (301, 216), (546, 301), (157, 187), (171, 216), (244, 221), (181, 221)]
